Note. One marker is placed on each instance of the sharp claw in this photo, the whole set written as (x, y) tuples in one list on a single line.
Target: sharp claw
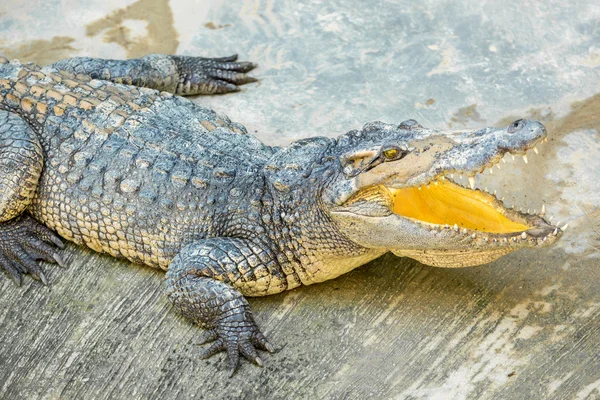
[(230, 58), (269, 347), (258, 361), (58, 260), (15, 276), (245, 66), (232, 371), (43, 278), (208, 336), (11, 270), (57, 242)]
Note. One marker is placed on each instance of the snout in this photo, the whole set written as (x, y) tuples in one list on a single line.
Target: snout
[(527, 128)]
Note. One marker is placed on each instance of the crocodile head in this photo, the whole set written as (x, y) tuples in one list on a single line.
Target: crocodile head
[(394, 190)]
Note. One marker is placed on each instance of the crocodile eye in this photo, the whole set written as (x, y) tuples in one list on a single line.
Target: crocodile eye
[(394, 153), (515, 126), (390, 154)]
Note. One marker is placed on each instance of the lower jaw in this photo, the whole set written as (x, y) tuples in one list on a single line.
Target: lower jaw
[(454, 258)]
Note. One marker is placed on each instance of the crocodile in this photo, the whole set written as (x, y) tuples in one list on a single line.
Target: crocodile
[(108, 154)]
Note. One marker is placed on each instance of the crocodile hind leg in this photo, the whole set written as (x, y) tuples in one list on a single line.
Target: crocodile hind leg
[(23, 240), (205, 283), (182, 75)]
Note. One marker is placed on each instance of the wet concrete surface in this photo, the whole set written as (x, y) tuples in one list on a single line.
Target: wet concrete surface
[(525, 326)]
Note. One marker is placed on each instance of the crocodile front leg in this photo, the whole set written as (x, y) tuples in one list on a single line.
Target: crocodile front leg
[(23, 240), (21, 163), (182, 75), (205, 283)]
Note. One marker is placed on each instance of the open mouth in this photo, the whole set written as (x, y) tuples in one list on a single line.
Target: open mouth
[(444, 203), (447, 203)]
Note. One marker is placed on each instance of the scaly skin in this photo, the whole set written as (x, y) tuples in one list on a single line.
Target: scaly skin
[(159, 180)]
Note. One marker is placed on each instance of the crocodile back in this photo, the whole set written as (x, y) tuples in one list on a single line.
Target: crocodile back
[(131, 171)]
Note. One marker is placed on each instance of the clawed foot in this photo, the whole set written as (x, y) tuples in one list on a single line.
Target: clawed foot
[(23, 241), (236, 334), (200, 75)]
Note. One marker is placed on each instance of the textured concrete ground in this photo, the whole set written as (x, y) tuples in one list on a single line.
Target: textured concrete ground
[(525, 326)]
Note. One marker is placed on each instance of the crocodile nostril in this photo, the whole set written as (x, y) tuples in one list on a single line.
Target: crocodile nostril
[(515, 126)]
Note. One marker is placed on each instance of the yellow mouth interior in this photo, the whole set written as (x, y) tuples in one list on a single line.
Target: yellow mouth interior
[(449, 203)]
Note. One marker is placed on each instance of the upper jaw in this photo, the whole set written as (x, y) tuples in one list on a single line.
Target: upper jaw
[(473, 152)]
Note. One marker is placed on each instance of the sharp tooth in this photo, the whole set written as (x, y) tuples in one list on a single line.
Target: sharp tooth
[(419, 187), (495, 192), (491, 171), (472, 182), (486, 189), (513, 157), (456, 227), (443, 178), (550, 219), (564, 228), (504, 161), (505, 240), (558, 223), (543, 212), (452, 176), (498, 165), (534, 211), (523, 235), (528, 210), (535, 150), (502, 199), (436, 182), (525, 158), (555, 232), (474, 236), (460, 176), (465, 231)]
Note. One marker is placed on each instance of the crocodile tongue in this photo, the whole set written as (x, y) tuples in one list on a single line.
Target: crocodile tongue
[(446, 203)]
